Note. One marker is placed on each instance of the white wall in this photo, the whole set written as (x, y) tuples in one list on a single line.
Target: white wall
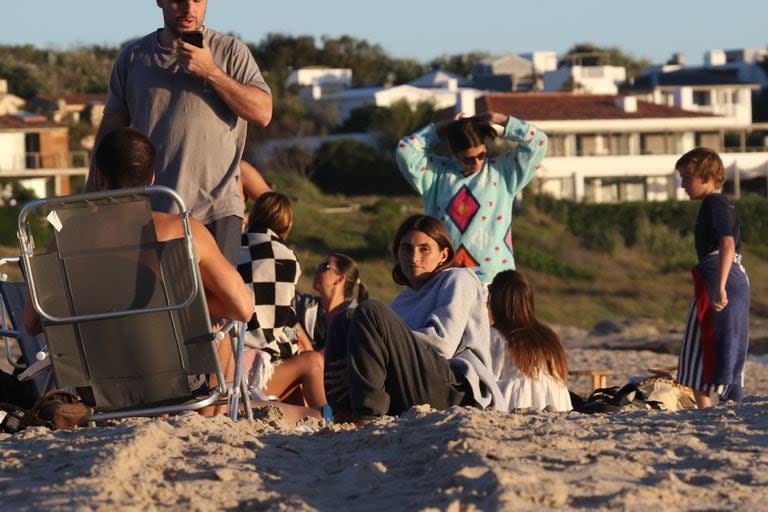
[(320, 76), (594, 79), (658, 171), (543, 61), (12, 151)]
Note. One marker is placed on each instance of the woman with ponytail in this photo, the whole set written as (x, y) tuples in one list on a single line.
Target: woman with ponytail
[(336, 279)]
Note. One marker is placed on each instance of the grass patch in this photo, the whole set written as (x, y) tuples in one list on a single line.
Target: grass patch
[(536, 260), (638, 270)]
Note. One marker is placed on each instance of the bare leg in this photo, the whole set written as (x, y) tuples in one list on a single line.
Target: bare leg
[(294, 395), (305, 369), (227, 360), (702, 399)]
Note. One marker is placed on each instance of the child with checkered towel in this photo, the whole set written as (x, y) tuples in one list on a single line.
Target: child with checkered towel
[(277, 366)]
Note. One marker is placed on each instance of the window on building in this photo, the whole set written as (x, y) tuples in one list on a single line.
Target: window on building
[(556, 145), (32, 149), (702, 98), (654, 144)]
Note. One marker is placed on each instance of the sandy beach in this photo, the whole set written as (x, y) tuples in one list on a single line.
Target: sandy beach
[(459, 459)]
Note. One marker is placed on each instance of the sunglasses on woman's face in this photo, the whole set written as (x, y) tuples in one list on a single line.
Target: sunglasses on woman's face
[(469, 160), (324, 265)]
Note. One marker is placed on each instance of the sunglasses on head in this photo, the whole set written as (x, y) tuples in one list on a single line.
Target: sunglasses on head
[(469, 160), (324, 265)]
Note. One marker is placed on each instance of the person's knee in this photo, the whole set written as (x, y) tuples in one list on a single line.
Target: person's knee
[(314, 363)]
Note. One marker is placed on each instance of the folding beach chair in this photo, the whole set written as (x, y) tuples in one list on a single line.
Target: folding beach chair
[(125, 315), (31, 349)]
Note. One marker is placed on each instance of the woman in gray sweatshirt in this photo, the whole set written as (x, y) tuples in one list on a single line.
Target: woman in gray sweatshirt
[(431, 346)]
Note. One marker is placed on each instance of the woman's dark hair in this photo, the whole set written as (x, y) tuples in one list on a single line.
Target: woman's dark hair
[(126, 158), (271, 210), (533, 346), (468, 132), (431, 227), (349, 269)]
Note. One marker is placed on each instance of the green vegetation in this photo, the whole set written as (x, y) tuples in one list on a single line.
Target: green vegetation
[(643, 272)]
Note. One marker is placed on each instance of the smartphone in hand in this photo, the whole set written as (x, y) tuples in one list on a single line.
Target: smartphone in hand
[(194, 37)]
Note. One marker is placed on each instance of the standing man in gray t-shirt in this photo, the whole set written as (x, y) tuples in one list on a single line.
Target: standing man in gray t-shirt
[(194, 104)]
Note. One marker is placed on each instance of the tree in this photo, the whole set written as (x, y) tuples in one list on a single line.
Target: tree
[(282, 51), (355, 168), (588, 54), (389, 123), (460, 64), (292, 158)]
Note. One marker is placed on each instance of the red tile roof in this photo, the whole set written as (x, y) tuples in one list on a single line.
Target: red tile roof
[(26, 122), (557, 106)]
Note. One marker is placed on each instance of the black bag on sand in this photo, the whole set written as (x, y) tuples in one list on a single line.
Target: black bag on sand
[(613, 399), (14, 419), (15, 392)]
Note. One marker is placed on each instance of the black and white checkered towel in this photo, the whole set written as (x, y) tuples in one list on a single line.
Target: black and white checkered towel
[(271, 271)]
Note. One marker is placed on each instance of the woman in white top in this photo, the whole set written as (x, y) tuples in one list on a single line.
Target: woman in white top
[(527, 357)]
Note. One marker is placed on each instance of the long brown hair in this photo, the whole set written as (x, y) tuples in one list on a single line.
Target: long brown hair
[(347, 267), (533, 346), (431, 227)]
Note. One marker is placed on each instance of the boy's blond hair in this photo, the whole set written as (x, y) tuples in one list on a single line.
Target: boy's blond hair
[(704, 163)]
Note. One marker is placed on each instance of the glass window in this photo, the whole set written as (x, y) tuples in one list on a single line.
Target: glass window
[(702, 98)]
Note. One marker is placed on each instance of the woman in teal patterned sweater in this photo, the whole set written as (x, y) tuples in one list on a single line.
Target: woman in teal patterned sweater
[(472, 193)]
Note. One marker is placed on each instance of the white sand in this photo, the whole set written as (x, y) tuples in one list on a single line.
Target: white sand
[(460, 459)]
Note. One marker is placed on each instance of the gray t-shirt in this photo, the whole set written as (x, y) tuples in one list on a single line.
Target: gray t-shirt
[(198, 139)]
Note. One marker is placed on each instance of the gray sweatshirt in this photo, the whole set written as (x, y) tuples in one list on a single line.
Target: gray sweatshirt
[(449, 313)]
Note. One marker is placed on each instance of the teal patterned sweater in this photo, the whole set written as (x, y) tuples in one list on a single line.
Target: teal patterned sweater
[(477, 209)]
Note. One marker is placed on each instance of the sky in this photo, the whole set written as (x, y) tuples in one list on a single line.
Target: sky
[(420, 29)]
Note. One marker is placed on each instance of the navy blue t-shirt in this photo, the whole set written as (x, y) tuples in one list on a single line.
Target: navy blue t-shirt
[(717, 218)]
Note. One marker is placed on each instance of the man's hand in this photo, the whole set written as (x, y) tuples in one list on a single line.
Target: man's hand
[(493, 118), (196, 61)]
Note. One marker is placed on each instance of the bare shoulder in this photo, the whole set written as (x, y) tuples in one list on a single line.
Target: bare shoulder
[(167, 226)]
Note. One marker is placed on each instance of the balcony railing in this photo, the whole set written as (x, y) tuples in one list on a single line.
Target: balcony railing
[(37, 160)]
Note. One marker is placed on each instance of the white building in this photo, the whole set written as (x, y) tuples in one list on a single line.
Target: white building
[(31, 146), (320, 76), (441, 79), (589, 79), (315, 82), (715, 90), (450, 96), (542, 61), (605, 148)]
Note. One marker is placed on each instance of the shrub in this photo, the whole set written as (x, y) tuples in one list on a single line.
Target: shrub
[(531, 258), (387, 215), (355, 168)]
